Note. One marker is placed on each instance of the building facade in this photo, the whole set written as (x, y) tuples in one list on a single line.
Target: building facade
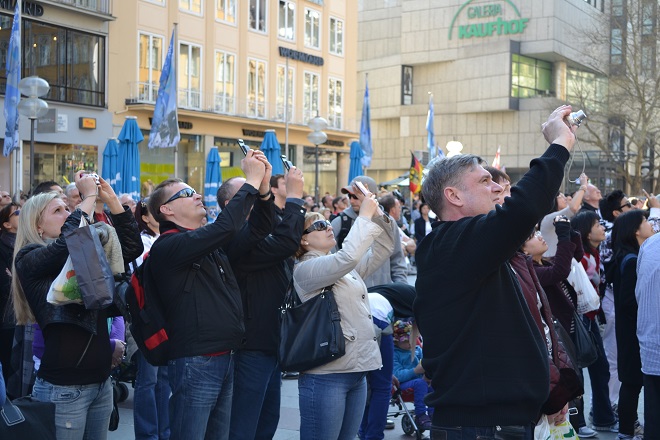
[(65, 43), (495, 68), (244, 67)]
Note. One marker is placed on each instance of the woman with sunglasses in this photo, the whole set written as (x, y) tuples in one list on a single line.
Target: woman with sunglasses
[(8, 227), (332, 397), (75, 366)]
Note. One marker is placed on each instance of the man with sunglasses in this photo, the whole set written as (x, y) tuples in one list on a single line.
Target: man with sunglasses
[(188, 269), (263, 275), (393, 270)]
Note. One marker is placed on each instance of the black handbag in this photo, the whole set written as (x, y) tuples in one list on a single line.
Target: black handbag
[(27, 418), (310, 332), (586, 352)]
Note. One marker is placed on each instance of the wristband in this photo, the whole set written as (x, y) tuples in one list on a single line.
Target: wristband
[(268, 194), (583, 188)]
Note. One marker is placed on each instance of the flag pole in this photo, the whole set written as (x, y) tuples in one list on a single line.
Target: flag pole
[(366, 84), (175, 71)]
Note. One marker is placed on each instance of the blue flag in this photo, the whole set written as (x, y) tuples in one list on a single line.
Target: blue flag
[(365, 129), (429, 129), (12, 95), (165, 123)]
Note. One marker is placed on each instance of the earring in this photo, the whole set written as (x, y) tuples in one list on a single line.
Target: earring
[(306, 242), (41, 234)]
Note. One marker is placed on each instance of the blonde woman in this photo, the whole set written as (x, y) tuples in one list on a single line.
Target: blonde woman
[(332, 397), (75, 367)]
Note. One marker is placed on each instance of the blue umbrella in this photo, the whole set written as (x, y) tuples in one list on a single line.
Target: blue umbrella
[(355, 168), (212, 182), (110, 171), (129, 158), (271, 149)]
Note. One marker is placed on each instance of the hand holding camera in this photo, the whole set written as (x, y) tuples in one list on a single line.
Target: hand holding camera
[(562, 227)]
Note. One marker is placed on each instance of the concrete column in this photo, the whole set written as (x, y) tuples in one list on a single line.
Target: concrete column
[(343, 165), (559, 73)]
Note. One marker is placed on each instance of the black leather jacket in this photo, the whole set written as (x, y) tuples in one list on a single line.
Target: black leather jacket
[(37, 266)]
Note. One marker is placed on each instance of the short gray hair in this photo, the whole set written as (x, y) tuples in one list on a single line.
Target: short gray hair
[(445, 172), (70, 187)]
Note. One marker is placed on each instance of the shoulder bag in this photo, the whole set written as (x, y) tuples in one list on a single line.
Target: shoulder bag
[(586, 352), (27, 418), (310, 332)]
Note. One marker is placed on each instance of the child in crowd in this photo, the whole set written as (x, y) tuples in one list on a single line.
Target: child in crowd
[(409, 371)]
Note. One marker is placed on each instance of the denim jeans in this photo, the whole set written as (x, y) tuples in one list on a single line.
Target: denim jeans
[(255, 409), (81, 411), (599, 374), (461, 433), (200, 406), (331, 405), (380, 387), (151, 400), (421, 389), (651, 406)]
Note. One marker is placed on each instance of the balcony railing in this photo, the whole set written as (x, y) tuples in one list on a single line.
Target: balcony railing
[(147, 92), (99, 6)]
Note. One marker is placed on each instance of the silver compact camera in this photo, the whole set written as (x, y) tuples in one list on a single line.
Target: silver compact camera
[(96, 178), (576, 118)]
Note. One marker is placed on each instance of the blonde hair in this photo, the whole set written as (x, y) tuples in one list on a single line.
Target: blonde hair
[(28, 233), (310, 218)]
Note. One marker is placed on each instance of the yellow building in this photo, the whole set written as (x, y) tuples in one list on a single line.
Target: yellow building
[(232, 57)]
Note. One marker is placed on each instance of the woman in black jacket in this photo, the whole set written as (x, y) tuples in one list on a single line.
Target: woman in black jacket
[(630, 230), (8, 226), (423, 223), (75, 367)]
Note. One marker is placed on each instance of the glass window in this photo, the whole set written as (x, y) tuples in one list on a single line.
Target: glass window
[(312, 28), (287, 20), (150, 64), (190, 84), (257, 88), (157, 164), (335, 102), (617, 8), (530, 77), (310, 96), (225, 82), (336, 36), (191, 5), (225, 10), (648, 59), (616, 47), (647, 18), (586, 88), (281, 93), (258, 15)]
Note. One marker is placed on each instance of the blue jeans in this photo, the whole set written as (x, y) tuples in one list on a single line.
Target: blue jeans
[(380, 385), (461, 433), (331, 405), (420, 389), (255, 409), (151, 401), (81, 411), (200, 406)]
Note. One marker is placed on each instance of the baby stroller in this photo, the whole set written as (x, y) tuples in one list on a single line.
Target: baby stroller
[(398, 401)]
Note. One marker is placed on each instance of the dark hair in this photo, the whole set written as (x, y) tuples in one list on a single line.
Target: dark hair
[(624, 238), (336, 200), (226, 192), (388, 202), (5, 214), (142, 208), (44, 187), (160, 196), (274, 180), (583, 222), (498, 175), (423, 205), (610, 203)]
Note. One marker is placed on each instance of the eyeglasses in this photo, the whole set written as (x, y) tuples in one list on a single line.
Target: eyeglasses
[(352, 196), (318, 225), (183, 194), (18, 211), (629, 205), (536, 234)]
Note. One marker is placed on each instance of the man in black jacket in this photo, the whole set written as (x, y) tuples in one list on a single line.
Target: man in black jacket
[(485, 356), (204, 318), (263, 276)]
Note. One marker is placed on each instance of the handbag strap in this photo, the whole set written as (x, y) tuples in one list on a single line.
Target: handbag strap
[(11, 414), (291, 298)]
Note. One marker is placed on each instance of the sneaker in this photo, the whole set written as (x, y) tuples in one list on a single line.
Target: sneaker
[(423, 422), (629, 437), (639, 428), (610, 428), (586, 432), (615, 410), (389, 424)]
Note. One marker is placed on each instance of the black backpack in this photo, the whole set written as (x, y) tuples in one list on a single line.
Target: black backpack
[(146, 310), (346, 223)]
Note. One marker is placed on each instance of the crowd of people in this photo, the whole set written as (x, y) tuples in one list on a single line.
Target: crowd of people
[(495, 306)]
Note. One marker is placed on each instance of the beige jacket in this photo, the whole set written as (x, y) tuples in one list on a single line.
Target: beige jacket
[(346, 269)]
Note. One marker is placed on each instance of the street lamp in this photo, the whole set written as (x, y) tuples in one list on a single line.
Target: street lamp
[(454, 148), (32, 107), (317, 137)]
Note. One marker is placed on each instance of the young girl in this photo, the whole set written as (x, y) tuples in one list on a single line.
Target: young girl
[(409, 371)]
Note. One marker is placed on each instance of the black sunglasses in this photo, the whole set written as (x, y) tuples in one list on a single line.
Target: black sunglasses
[(352, 196), (183, 194), (629, 205), (318, 225)]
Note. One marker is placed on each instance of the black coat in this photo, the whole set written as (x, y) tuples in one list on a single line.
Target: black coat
[(7, 319), (420, 229), (263, 276)]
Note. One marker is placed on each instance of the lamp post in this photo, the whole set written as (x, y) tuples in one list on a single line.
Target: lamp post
[(317, 137), (454, 148), (32, 107)]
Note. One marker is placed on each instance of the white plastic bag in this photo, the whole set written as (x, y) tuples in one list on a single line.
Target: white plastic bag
[(587, 297), (65, 289), (542, 429)]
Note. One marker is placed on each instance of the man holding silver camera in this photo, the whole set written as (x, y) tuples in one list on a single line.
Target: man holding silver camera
[(483, 352)]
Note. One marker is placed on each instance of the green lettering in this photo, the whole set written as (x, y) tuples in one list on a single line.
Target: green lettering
[(500, 25), (523, 24), (491, 27), (462, 32)]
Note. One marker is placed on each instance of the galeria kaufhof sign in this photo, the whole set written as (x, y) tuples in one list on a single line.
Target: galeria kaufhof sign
[(482, 19)]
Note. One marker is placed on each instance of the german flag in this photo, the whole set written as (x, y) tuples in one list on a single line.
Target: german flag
[(415, 175)]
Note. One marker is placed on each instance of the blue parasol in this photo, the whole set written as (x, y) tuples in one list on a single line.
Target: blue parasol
[(271, 149), (212, 183), (355, 167), (110, 171), (129, 158)]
